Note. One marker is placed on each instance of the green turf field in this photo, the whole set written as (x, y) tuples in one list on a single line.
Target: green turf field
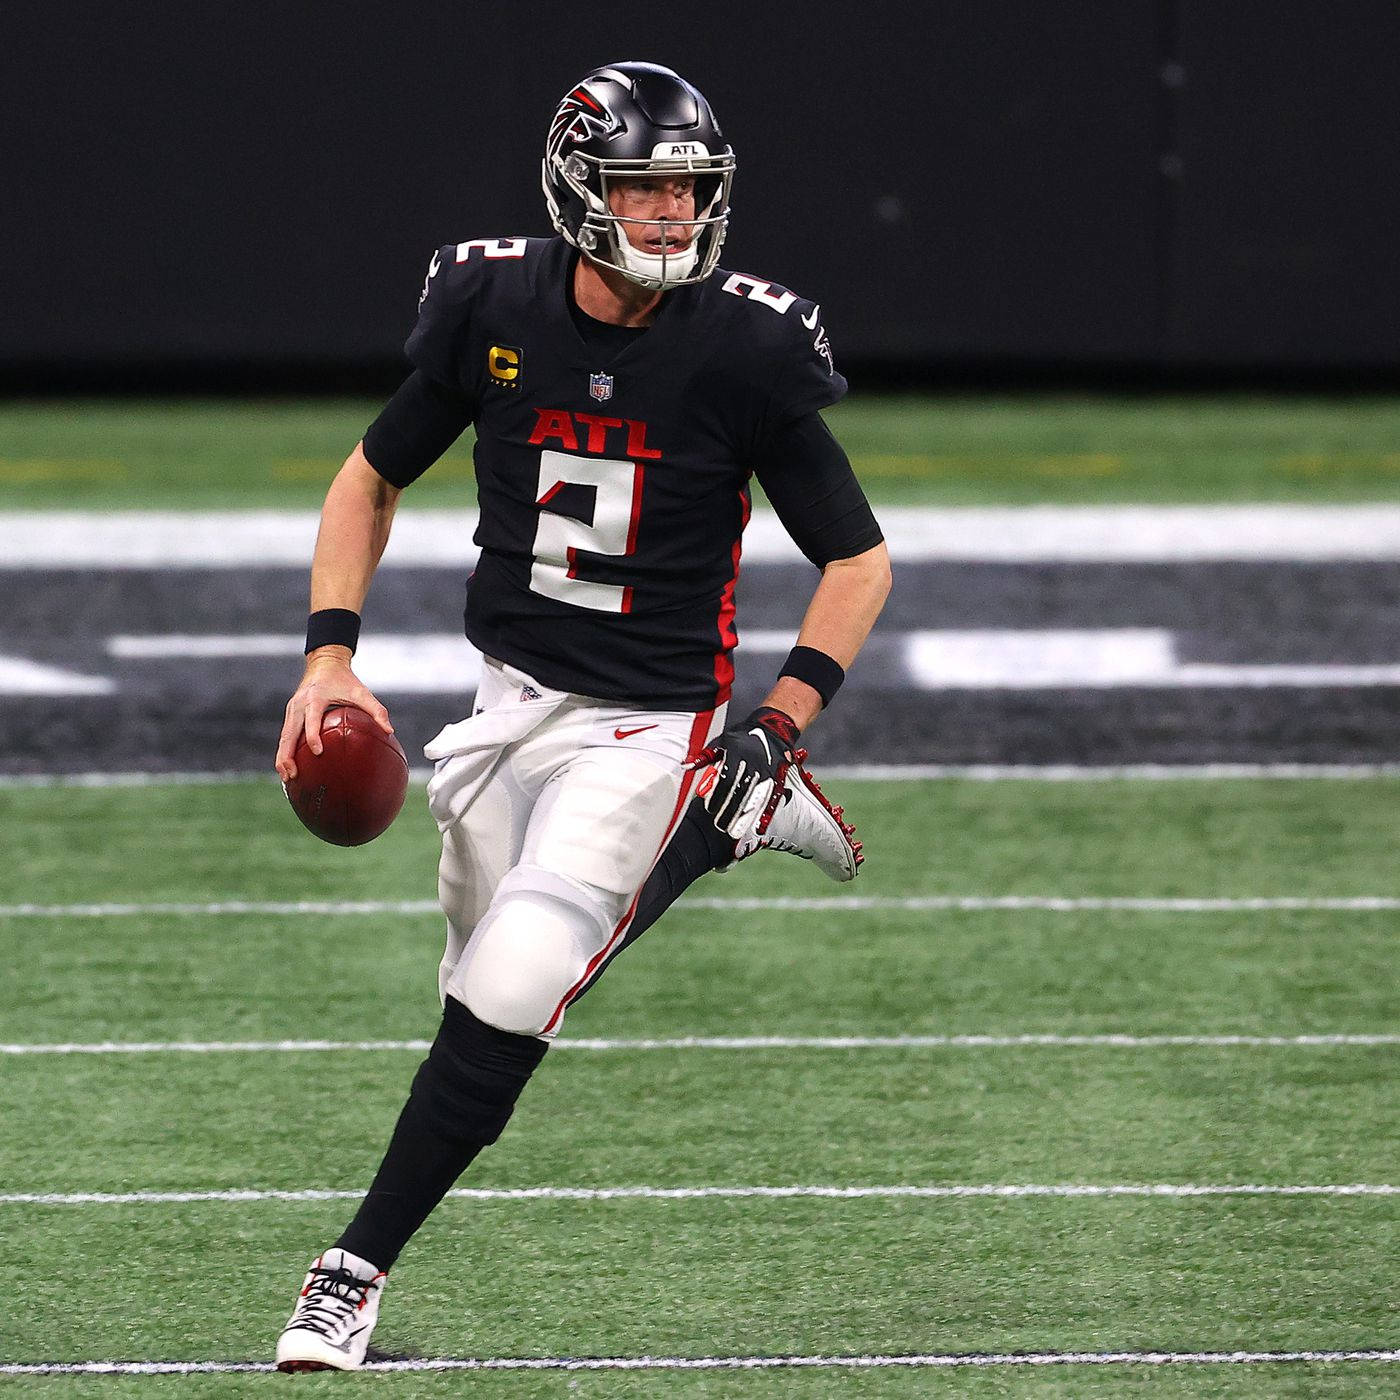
[(948, 451), (737, 1275)]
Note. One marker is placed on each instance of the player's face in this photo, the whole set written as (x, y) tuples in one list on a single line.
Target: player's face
[(649, 198)]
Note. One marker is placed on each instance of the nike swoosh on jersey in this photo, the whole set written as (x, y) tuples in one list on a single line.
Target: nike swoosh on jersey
[(628, 733), (811, 321)]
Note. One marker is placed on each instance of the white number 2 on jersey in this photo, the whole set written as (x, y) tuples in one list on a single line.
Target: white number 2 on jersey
[(618, 485), (492, 248), (756, 289)]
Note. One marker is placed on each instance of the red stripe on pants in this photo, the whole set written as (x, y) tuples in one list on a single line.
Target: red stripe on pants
[(699, 731)]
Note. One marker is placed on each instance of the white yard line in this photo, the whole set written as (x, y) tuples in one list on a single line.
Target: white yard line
[(130, 780), (1040, 658), (852, 772), (1057, 904), (263, 908), (932, 903), (867, 1361), (704, 1193), (1091, 773), (1028, 534), (723, 1042), (444, 663)]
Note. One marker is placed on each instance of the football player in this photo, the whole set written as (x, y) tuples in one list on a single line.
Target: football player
[(624, 388)]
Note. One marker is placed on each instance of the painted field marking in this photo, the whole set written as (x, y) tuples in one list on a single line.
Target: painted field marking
[(868, 1361), (1058, 904), (19, 676), (724, 1042), (931, 903), (1067, 1191), (177, 646), (220, 778), (855, 772), (443, 538), (1102, 773), (1097, 658), (402, 663), (432, 663)]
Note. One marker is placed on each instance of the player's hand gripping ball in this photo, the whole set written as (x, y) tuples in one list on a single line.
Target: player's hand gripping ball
[(353, 789)]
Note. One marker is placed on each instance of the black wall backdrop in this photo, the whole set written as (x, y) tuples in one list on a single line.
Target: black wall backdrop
[(1179, 183)]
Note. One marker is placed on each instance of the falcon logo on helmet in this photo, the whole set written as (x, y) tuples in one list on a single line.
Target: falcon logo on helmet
[(637, 121), (580, 115)]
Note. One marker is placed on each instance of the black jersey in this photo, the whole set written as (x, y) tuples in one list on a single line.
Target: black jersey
[(613, 484)]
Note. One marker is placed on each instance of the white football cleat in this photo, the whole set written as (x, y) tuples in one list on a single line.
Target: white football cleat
[(806, 825), (335, 1313)]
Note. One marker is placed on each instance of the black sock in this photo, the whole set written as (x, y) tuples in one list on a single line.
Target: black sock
[(695, 848), (461, 1100)]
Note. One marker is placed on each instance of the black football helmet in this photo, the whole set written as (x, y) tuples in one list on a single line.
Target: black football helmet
[(632, 119)]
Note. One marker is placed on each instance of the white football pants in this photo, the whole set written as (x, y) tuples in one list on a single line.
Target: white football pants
[(553, 809)]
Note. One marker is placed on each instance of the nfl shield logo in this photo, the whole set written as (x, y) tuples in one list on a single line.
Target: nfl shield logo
[(600, 386)]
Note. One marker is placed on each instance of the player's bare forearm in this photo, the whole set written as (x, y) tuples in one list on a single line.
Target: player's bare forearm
[(355, 524), (839, 618)]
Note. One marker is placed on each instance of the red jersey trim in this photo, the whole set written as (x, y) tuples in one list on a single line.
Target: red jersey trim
[(728, 637)]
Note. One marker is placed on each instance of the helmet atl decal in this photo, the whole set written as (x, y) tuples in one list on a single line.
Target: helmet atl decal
[(580, 115)]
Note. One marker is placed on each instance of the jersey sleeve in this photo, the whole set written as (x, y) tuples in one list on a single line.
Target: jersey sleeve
[(807, 379), (437, 343), (414, 429), (808, 479)]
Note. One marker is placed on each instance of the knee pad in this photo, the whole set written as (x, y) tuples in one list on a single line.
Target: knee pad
[(465, 1091), (531, 949)]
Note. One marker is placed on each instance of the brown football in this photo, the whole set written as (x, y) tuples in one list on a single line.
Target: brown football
[(353, 789)]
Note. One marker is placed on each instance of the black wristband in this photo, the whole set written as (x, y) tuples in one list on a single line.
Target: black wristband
[(333, 627), (822, 672)]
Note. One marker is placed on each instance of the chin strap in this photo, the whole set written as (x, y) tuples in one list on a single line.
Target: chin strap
[(660, 268)]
